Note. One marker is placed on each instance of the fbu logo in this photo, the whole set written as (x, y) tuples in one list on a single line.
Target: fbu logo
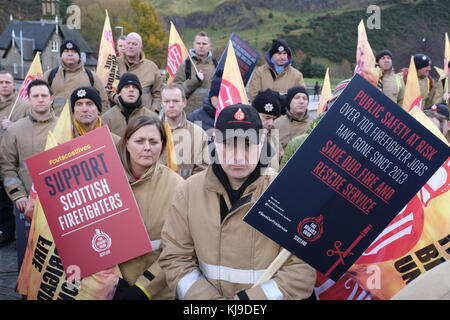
[(101, 241), (311, 229)]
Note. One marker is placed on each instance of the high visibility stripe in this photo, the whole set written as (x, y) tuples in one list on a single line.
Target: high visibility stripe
[(399, 84), (230, 274), (271, 290), (156, 245), (147, 294), (187, 282), (10, 181)]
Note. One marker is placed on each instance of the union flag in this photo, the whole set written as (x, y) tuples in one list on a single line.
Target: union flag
[(422, 224), (108, 66), (412, 97), (176, 54), (232, 88), (365, 59), (325, 95), (35, 72)]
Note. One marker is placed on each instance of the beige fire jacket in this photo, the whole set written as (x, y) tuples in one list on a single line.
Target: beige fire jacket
[(204, 258)]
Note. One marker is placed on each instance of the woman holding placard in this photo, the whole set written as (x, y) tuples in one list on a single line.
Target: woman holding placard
[(152, 184)]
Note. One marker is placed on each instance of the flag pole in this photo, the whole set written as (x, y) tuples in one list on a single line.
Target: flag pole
[(14, 105), (192, 63), (21, 52), (276, 264)]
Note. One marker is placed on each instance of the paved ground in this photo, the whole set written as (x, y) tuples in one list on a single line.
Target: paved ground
[(8, 272)]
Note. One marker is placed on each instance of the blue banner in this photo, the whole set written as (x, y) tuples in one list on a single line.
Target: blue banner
[(246, 55)]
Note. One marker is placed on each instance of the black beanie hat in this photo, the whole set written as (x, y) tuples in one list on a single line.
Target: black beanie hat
[(421, 61), (382, 53), (69, 44), (129, 78), (268, 102), (86, 93), (291, 94), (279, 45)]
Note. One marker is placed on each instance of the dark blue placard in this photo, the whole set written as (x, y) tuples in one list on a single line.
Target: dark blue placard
[(359, 167), (246, 56)]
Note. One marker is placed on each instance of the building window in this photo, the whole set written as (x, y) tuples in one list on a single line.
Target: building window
[(16, 68), (54, 46)]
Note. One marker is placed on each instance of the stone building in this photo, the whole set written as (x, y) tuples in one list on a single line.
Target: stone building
[(25, 38)]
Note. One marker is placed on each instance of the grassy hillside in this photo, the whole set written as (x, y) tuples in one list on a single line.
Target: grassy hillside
[(185, 7), (329, 36), (325, 34)]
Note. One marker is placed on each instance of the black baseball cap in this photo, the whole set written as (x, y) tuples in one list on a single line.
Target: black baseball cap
[(238, 120)]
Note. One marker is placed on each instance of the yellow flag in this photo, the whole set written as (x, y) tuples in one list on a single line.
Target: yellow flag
[(35, 72), (107, 66), (412, 89), (446, 55), (170, 148), (177, 52), (325, 95), (420, 116), (365, 59), (232, 88), (42, 276), (63, 130), (440, 72), (446, 72), (413, 243)]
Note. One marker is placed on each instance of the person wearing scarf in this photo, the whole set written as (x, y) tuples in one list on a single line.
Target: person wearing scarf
[(85, 103), (277, 73), (209, 252), (129, 105)]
